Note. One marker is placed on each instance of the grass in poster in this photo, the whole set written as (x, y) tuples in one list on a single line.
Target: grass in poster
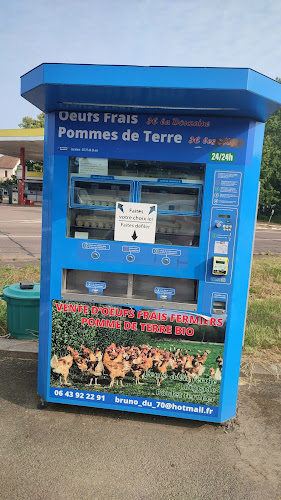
[(174, 386)]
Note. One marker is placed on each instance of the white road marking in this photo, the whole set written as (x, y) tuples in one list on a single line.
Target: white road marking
[(269, 239), (27, 221), (268, 229), (20, 236)]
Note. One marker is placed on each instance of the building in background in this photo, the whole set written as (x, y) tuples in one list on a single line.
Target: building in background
[(8, 166)]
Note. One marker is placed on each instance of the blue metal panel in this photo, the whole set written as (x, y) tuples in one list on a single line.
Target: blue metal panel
[(155, 137), (138, 76), (209, 91), (46, 256), (241, 278), (33, 78)]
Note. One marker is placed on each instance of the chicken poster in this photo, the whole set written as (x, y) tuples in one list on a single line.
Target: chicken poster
[(117, 356)]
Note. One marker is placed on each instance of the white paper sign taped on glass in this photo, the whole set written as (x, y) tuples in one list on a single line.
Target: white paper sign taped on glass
[(135, 222), (93, 166)]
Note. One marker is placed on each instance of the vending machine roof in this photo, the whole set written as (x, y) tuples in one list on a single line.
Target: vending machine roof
[(175, 90)]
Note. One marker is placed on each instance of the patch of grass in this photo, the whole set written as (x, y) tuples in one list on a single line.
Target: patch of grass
[(3, 319), (255, 290), (266, 278), (8, 276), (263, 330)]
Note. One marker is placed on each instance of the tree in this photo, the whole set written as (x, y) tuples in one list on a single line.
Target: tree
[(7, 182), (28, 122), (33, 166), (270, 189)]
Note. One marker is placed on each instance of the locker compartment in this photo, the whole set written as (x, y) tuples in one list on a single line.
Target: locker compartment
[(171, 198), (177, 230), (97, 224), (129, 289), (116, 283), (170, 230), (191, 172), (144, 288), (103, 194)]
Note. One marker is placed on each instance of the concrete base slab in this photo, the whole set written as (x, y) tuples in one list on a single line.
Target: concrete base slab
[(25, 349)]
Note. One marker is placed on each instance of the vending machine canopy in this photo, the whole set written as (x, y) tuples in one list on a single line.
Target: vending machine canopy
[(236, 92)]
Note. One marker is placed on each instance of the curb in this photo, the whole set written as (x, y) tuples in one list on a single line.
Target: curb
[(251, 369), (18, 355), (18, 348)]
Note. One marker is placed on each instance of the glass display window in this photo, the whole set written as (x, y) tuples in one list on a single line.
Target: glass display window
[(180, 199), (96, 186), (95, 193)]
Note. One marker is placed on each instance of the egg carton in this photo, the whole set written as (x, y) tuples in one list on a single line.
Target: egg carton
[(93, 222), (99, 199), (102, 202)]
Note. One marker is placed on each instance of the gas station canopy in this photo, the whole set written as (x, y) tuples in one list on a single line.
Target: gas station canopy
[(201, 91), (32, 140)]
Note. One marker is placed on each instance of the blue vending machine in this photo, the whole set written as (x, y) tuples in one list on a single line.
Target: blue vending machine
[(151, 179)]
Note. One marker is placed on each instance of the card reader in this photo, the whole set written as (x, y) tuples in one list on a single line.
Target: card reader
[(220, 265)]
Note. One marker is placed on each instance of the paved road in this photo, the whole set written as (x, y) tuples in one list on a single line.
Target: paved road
[(20, 235), (267, 240), (85, 453)]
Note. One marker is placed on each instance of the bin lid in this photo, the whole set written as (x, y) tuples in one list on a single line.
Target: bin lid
[(16, 292)]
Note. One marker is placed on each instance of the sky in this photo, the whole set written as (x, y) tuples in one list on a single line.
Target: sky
[(241, 33)]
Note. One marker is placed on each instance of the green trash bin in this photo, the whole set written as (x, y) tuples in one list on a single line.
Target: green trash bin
[(22, 309)]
